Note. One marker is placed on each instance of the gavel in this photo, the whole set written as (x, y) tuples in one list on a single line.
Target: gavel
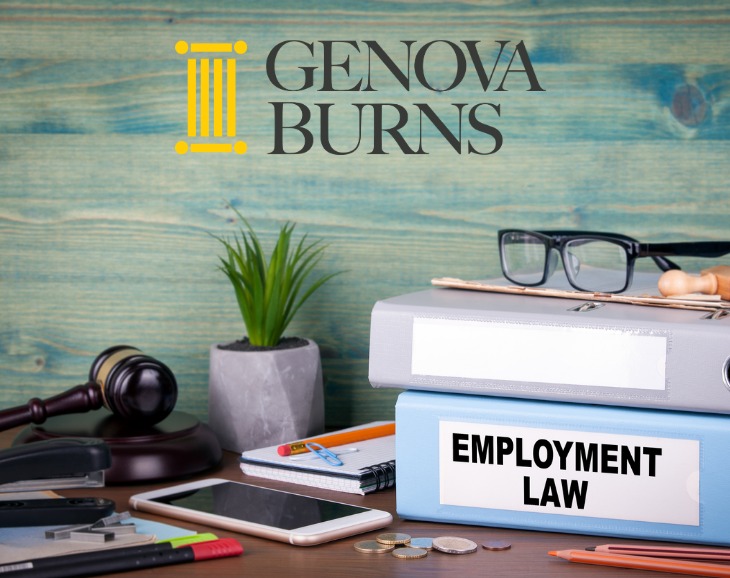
[(131, 385)]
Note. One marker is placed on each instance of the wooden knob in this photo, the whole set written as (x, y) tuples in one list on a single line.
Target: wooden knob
[(677, 282), (722, 275)]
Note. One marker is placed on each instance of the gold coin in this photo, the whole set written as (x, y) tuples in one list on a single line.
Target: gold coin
[(410, 553), (425, 543), (393, 538), (454, 545), (496, 545), (373, 547)]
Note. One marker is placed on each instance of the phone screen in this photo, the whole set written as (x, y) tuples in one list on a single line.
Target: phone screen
[(260, 505)]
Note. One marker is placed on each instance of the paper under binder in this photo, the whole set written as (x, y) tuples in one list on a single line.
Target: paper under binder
[(463, 341), (542, 465)]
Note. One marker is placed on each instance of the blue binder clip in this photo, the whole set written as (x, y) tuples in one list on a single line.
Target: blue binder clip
[(324, 453)]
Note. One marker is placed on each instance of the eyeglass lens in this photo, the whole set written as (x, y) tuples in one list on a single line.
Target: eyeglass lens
[(596, 265), (523, 258), (590, 264)]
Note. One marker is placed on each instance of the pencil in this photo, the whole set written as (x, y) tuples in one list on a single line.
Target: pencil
[(338, 439), (688, 553), (643, 563)]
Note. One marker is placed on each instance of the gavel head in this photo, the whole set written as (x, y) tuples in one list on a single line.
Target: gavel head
[(134, 386)]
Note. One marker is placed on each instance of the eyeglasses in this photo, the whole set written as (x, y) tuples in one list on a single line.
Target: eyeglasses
[(592, 261)]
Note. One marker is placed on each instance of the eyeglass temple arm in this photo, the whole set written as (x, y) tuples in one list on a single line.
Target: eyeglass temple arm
[(665, 264), (659, 251)]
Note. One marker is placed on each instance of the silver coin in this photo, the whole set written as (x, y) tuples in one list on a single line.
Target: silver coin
[(454, 545), (425, 543), (393, 538), (496, 545), (373, 547), (410, 553)]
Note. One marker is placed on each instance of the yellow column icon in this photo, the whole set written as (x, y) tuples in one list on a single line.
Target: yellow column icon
[(202, 109)]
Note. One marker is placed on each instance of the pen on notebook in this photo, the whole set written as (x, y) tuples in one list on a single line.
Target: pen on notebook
[(338, 439), (691, 553), (644, 563), (134, 558)]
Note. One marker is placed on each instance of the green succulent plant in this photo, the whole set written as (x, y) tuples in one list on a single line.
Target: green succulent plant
[(270, 292)]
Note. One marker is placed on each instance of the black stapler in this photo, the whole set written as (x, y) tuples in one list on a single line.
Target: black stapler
[(54, 464), (50, 465)]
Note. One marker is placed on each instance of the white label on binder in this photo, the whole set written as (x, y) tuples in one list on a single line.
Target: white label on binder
[(536, 353), (573, 473)]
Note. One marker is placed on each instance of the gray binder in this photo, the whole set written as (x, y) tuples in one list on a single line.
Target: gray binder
[(463, 341)]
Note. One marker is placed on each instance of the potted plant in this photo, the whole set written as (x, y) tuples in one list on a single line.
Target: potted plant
[(266, 388)]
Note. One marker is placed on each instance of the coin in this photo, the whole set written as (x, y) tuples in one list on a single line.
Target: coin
[(410, 553), (425, 543), (373, 547), (454, 545), (496, 545), (393, 538)]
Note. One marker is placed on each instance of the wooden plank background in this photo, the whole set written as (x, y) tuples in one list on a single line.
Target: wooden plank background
[(104, 229)]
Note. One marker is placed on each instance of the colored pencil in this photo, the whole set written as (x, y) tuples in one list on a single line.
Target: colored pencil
[(338, 439), (688, 553), (644, 563)]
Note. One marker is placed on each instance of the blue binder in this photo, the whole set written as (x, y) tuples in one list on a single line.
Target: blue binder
[(563, 467)]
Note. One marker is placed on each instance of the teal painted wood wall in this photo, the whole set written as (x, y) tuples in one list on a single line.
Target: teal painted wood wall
[(104, 229)]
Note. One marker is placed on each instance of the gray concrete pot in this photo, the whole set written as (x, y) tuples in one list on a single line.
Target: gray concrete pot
[(263, 398)]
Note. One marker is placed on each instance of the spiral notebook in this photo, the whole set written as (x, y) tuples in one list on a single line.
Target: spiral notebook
[(368, 469)]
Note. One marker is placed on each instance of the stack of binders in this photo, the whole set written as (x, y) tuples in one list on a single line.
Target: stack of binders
[(550, 414)]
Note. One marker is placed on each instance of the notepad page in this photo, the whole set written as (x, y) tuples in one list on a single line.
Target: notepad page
[(334, 483)]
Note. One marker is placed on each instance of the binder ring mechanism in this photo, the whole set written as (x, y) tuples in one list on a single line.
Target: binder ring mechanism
[(324, 453)]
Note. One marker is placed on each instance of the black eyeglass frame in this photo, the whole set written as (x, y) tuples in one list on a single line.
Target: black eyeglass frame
[(658, 252)]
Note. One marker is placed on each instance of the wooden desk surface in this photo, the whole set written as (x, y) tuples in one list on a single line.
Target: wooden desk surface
[(268, 559)]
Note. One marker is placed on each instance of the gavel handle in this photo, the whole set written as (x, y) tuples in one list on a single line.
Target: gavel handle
[(79, 399)]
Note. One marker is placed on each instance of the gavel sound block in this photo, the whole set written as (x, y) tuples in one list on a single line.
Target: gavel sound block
[(147, 439), (179, 446)]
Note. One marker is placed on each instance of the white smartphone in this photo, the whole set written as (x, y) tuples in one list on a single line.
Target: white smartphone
[(272, 514)]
